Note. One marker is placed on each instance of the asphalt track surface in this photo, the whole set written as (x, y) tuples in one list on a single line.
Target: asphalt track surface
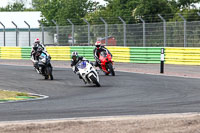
[(69, 97)]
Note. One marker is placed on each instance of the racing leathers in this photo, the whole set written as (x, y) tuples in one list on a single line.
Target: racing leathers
[(36, 51), (97, 52), (76, 62)]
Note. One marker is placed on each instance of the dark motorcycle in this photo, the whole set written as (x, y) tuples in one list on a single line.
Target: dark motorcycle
[(45, 66)]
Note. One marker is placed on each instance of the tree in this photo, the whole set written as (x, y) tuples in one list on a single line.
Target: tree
[(61, 10), (15, 7), (187, 3), (149, 9), (113, 10)]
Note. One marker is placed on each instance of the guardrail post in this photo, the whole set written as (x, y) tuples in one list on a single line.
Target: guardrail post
[(144, 32), (106, 29), (57, 31), (16, 33), (185, 28), (4, 34), (72, 30), (88, 31), (124, 25), (42, 31), (29, 31), (164, 28), (162, 59)]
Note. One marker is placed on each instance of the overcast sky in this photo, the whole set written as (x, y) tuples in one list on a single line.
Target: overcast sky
[(3, 3)]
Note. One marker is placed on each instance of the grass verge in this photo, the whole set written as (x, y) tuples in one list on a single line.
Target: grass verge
[(14, 96)]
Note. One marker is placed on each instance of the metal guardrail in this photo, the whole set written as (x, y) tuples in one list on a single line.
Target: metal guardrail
[(184, 56)]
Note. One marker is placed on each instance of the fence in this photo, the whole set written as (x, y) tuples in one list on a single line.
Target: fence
[(169, 34)]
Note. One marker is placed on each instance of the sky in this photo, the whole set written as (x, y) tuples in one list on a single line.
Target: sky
[(3, 3)]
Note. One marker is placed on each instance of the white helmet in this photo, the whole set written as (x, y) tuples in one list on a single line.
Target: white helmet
[(98, 43)]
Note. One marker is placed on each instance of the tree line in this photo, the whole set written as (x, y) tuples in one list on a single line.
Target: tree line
[(128, 10)]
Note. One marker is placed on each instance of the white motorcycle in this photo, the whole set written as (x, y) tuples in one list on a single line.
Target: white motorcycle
[(88, 73)]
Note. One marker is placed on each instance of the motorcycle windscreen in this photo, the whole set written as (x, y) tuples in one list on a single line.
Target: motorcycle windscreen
[(103, 54), (82, 65), (43, 55)]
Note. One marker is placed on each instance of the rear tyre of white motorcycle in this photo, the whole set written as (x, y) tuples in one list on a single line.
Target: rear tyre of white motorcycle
[(94, 80)]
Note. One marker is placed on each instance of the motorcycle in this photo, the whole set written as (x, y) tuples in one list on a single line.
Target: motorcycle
[(106, 63), (88, 73), (45, 66)]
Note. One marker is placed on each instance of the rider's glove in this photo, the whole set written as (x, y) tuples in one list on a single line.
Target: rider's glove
[(77, 72), (99, 61)]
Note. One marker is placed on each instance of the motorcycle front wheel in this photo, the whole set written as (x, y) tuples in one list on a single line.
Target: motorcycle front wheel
[(110, 67), (50, 75), (94, 80)]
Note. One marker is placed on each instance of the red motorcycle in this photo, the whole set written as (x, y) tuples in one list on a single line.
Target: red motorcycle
[(106, 63)]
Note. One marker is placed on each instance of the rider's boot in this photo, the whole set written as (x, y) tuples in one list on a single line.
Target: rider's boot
[(36, 67)]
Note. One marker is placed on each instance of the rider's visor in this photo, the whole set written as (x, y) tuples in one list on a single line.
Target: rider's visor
[(74, 57)]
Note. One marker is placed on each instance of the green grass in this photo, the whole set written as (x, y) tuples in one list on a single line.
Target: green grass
[(13, 95)]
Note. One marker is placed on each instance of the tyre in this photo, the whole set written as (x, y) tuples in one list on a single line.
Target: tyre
[(51, 77), (46, 76), (49, 73), (94, 80), (110, 67)]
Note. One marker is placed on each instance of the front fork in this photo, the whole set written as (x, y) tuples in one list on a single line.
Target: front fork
[(103, 67)]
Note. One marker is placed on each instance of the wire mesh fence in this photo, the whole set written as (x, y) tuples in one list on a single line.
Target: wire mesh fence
[(174, 34)]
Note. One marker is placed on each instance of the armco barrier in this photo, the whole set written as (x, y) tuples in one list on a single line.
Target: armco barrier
[(26, 52), (120, 54), (86, 51), (145, 55), (183, 56), (11, 53), (59, 53)]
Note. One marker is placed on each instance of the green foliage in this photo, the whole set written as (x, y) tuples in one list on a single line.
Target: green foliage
[(189, 15), (17, 6), (61, 10), (149, 9), (14, 7), (113, 10), (187, 3)]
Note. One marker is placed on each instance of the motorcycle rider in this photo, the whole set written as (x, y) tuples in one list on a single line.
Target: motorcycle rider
[(76, 59), (36, 51), (99, 48)]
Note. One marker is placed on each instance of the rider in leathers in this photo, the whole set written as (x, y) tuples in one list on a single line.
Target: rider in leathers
[(37, 49), (99, 48)]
